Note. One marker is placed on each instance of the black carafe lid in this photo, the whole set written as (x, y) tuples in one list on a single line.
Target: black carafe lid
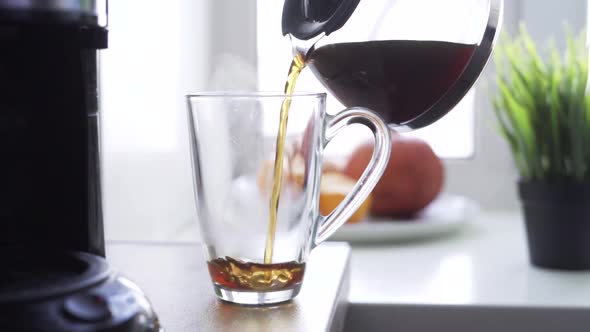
[(305, 19)]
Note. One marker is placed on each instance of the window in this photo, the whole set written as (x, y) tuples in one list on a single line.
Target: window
[(155, 57), (161, 52), (451, 137)]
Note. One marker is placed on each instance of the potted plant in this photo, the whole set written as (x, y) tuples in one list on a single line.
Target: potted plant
[(543, 111)]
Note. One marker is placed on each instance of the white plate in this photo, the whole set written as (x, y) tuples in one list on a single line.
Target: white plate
[(446, 214)]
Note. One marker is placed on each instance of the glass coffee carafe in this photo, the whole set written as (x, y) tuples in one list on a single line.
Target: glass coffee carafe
[(411, 61)]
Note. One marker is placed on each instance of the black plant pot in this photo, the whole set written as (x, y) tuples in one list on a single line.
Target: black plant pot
[(557, 218)]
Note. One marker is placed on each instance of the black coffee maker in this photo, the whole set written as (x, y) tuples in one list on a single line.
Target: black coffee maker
[(53, 275)]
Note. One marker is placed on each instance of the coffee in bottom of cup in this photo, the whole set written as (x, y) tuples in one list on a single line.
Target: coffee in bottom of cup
[(234, 274)]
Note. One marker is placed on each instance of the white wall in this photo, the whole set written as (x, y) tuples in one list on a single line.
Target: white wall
[(159, 53), (490, 177)]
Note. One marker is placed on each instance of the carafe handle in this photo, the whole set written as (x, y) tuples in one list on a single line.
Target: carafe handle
[(327, 225)]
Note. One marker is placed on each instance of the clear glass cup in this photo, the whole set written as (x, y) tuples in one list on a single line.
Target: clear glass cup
[(233, 145)]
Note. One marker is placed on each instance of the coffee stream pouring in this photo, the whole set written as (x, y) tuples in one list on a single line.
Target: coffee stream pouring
[(410, 82)]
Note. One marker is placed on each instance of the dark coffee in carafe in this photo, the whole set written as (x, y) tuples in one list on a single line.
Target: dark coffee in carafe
[(399, 79)]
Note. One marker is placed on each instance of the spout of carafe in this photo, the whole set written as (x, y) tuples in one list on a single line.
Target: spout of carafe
[(303, 48), (306, 19)]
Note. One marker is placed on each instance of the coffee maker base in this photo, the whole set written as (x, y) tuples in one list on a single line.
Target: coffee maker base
[(69, 291)]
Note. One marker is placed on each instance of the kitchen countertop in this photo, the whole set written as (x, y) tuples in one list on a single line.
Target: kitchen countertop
[(483, 269), (478, 279), (175, 278)]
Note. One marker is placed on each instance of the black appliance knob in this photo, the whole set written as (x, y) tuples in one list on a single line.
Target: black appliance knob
[(89, 308)]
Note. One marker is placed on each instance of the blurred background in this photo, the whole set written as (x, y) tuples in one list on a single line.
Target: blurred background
[(158, 54)]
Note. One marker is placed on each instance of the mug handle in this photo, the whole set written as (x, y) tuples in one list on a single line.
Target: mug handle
[(327, 225)]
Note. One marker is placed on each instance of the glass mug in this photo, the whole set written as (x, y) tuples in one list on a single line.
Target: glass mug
[(233, 147)]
